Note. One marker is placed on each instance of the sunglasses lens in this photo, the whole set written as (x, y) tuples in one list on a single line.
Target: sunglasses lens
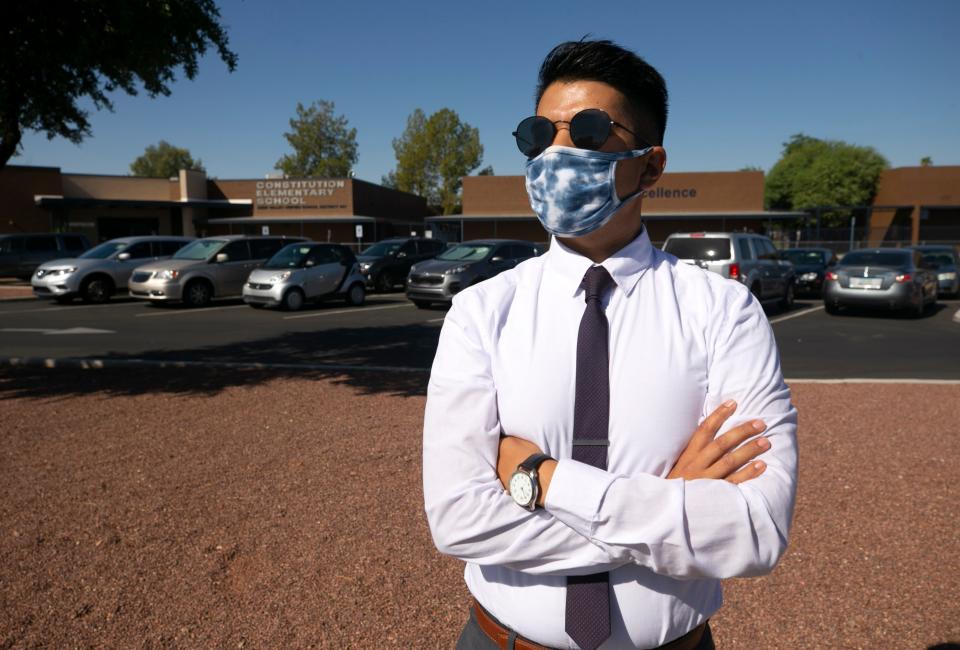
[(590, 128), (534, 134)]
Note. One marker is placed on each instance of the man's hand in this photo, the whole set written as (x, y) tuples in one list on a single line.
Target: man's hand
[(718, 458), (514, 451)]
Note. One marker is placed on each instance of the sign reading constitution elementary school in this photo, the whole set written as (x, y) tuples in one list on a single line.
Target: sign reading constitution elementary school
[(300, 193)]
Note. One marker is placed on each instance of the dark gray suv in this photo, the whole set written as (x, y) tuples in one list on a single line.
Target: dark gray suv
[(748, 258), (387, 263), (463, 265), (21, 254)]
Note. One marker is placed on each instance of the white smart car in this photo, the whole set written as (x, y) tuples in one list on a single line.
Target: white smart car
[(306, 272)]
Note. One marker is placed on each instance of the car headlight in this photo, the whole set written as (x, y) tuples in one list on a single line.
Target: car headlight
[(66, 271), (413, 267), (167, 274), (457, 269), (808, 277), (279, 277), (365, 266)]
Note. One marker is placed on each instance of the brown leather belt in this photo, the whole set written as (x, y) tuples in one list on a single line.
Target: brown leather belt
[(501, 635)]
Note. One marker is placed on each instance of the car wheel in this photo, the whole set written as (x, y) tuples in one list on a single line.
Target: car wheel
[(198, 293), (921, 308), (96, 290), (422, 304), (831, 308), (384, 282), (787, 303), (356, 295), (293, 300)]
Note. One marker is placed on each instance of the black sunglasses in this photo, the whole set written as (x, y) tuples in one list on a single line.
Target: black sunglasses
[(589, 129)]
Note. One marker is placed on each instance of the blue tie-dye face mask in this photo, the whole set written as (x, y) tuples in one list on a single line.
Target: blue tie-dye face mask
[(573, 191)]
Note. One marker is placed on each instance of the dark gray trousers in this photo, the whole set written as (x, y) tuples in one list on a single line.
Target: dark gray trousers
[(473, 638)]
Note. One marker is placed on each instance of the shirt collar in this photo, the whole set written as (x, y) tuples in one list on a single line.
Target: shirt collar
[(625, 266)]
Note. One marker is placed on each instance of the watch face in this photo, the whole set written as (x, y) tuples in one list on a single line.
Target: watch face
[(521, 488)]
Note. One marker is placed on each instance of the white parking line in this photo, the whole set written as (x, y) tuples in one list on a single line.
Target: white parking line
[(67, 308), (188, 310), (345, 311), (799, 313)]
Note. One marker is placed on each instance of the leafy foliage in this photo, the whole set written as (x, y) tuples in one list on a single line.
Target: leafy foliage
[(163, 160), (54, 55), (323, 145), (433, 155), (813, 173)]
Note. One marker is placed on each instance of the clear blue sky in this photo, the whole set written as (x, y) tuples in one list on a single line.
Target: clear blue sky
[(742, 76)]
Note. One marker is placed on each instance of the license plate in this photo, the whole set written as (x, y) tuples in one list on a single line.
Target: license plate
[(866, 283)]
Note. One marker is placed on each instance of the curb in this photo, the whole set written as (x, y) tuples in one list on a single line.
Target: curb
[(106, 364)]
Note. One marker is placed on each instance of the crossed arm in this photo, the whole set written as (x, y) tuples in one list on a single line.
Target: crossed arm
[(706, 455), (712, 516)]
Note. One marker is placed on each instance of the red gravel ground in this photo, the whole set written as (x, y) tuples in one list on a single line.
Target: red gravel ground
[(212, 509)]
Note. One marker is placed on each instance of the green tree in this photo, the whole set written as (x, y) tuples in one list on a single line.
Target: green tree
[(163, 160), (323, 145), (926, 161), (813, 172), (750, 168), (56, 55), (433, 155)]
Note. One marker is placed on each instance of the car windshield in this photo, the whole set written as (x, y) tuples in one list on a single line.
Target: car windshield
[(465, 253), (104, 250), (699, 248), (382, 249), (875, 258), (943, 259), (805, 257), (289, 257), (199, 250)]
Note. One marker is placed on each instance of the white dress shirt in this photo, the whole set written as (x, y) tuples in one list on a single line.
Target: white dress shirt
[(682, 341)]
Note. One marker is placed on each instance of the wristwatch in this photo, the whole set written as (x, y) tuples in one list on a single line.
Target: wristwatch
[(525, 482)]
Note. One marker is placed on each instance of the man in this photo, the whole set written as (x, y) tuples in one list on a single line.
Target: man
[(576, 379)]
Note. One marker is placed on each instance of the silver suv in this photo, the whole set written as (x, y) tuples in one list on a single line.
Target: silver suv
[(103, 270), (748, 258), (205, 269)]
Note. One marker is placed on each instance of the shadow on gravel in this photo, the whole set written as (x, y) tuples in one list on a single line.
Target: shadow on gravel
[(385, 359)]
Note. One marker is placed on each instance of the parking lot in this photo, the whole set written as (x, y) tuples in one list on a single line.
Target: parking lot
[(191, 506), (390, 332)]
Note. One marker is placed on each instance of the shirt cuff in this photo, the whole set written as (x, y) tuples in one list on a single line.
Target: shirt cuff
[(576, 493)]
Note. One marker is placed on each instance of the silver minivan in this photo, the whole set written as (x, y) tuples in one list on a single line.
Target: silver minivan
[(208, 268), (102, 271), (746, 257), (306, 272)]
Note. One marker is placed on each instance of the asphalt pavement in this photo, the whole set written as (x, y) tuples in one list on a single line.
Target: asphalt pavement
[(390, 332)]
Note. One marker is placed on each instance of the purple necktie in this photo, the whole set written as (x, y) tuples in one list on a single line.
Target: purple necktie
[(588, 597)]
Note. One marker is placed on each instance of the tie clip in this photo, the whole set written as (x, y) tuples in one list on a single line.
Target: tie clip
[(590, 442)]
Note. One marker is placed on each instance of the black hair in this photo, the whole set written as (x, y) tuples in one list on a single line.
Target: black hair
[(607, 62)]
